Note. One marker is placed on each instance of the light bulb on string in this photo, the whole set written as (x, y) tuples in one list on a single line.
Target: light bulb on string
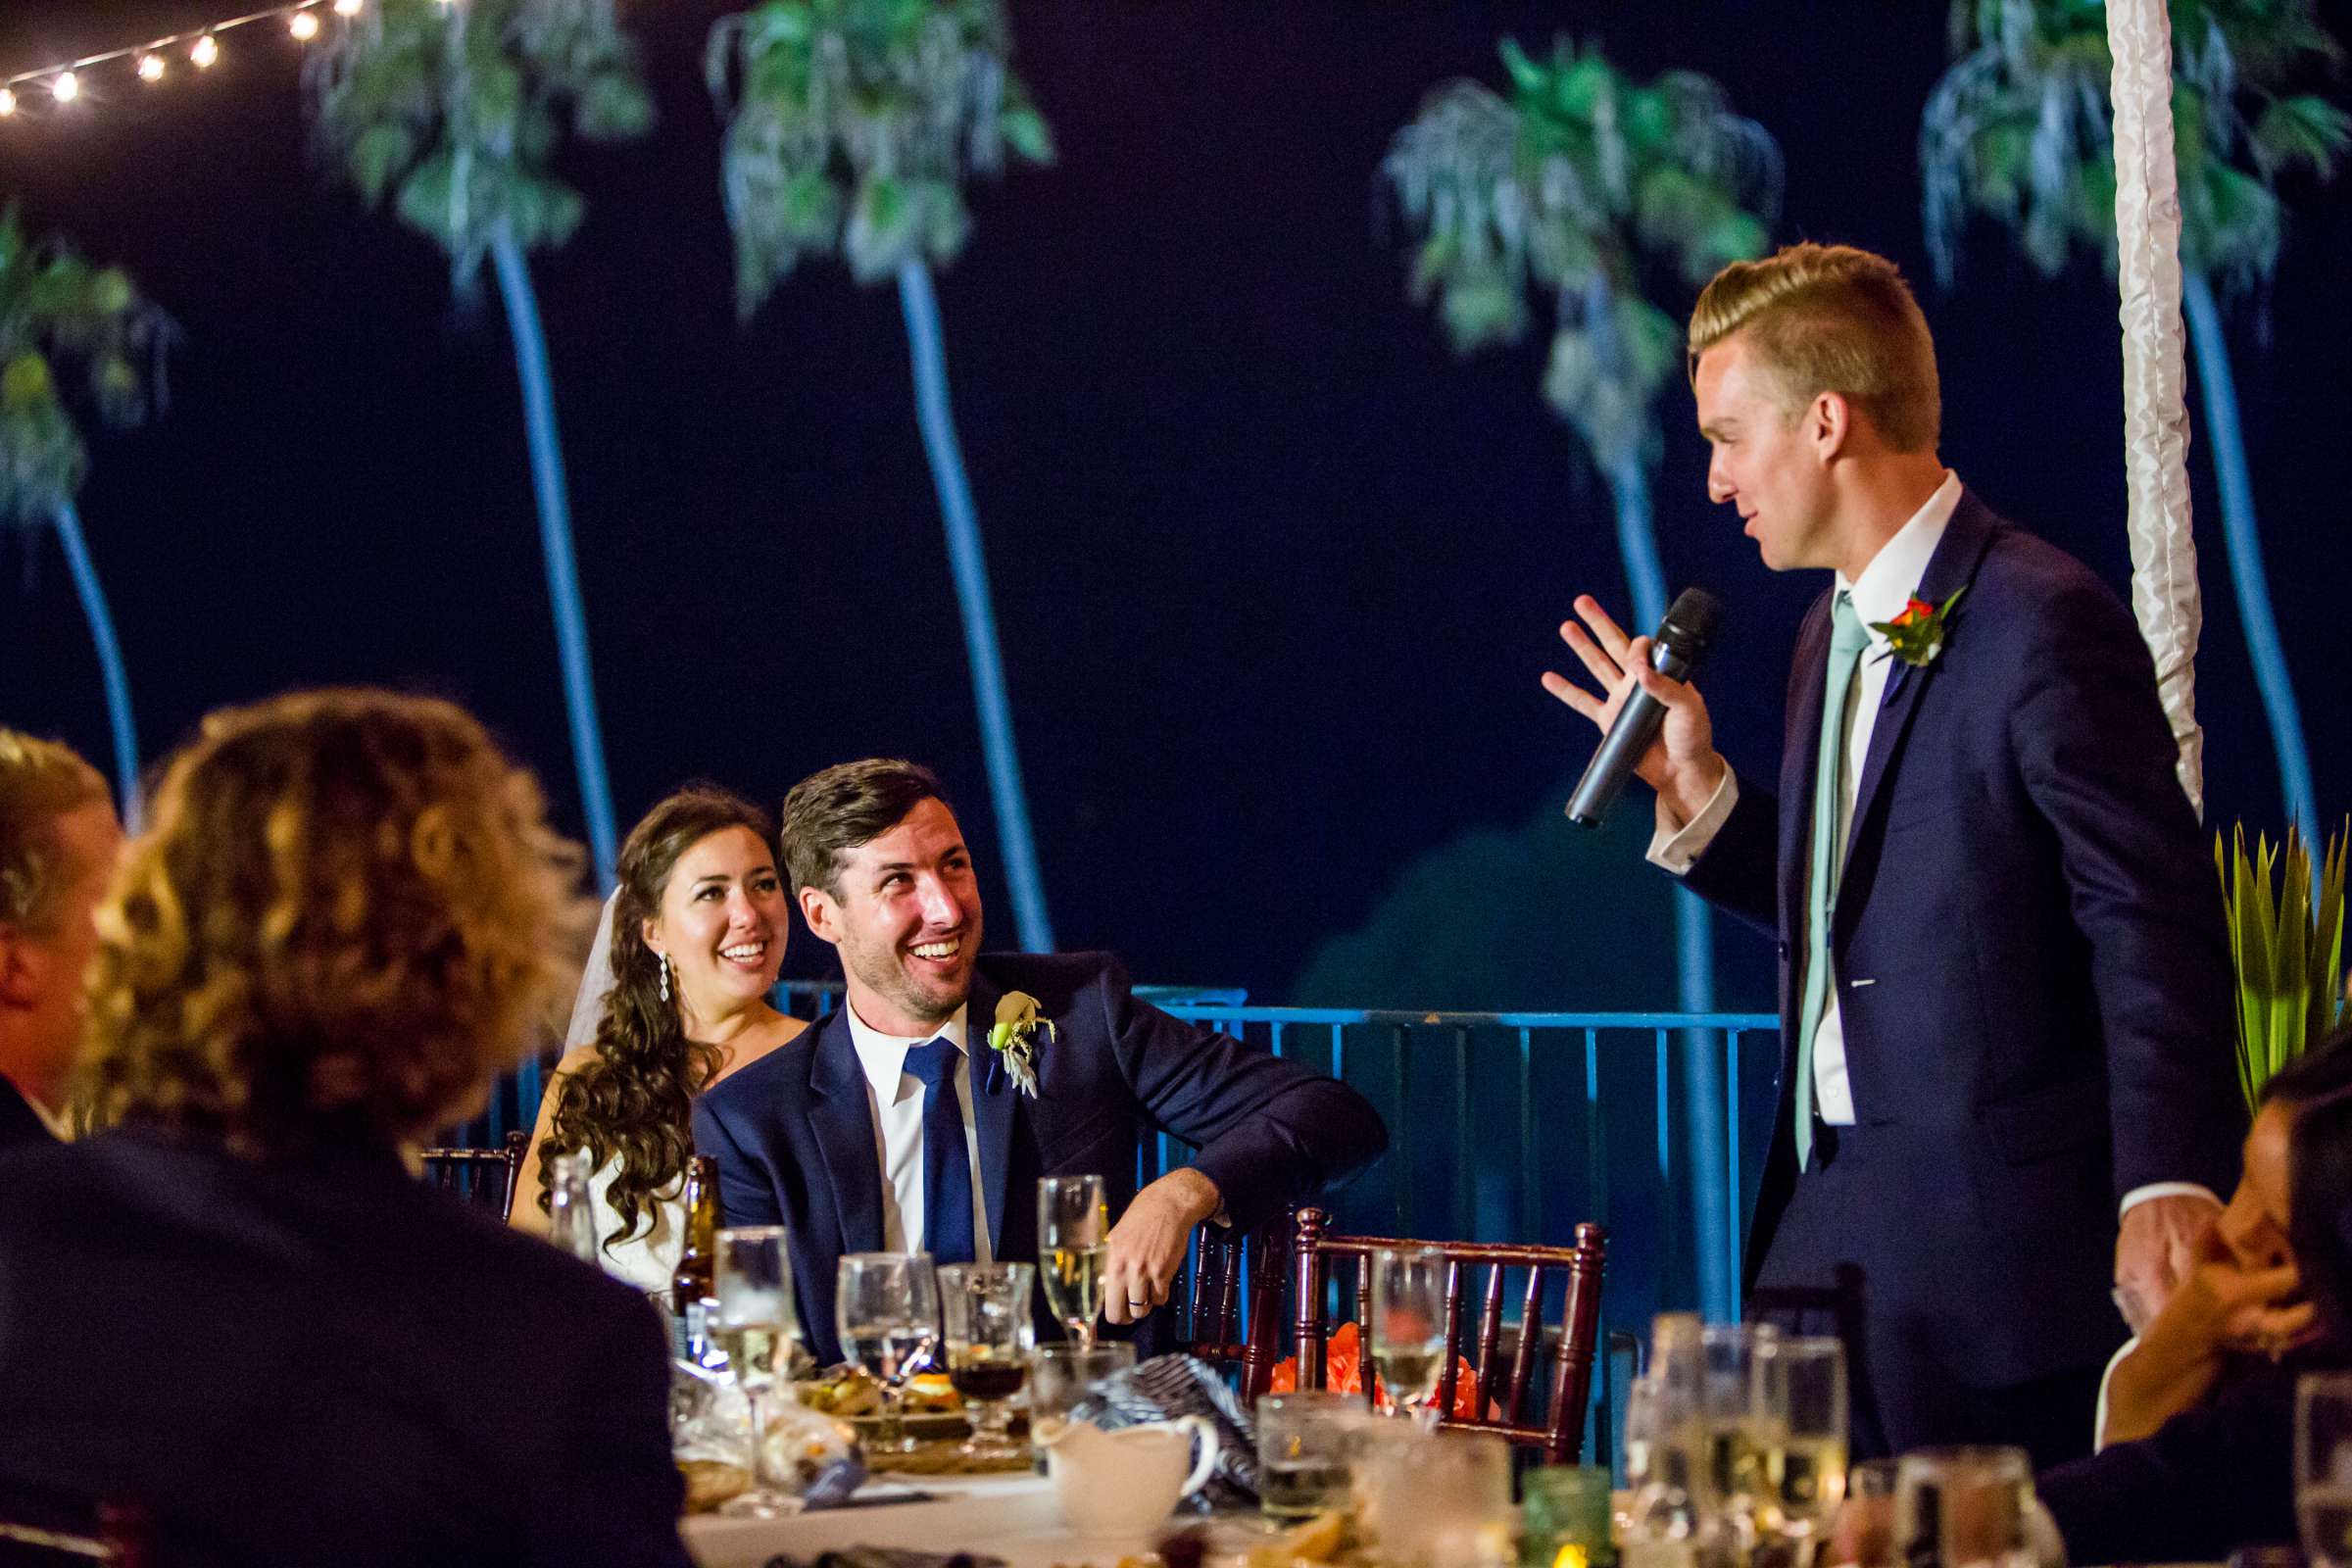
[(304, 26), (7, 101), (347, 8), (205, 51), (151, 68), (67, 87)]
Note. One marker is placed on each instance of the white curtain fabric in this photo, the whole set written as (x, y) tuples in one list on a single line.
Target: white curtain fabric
[(2147, 221)]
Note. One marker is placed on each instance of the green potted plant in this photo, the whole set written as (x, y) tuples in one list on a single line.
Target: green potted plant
[(2287, 943)]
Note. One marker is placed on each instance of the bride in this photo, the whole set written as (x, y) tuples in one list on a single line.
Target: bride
[(692, 942)]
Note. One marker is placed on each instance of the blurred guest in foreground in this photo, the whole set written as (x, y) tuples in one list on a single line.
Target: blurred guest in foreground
[(2200, 1433), (675, 1000), (58, 837), (235, 1310)]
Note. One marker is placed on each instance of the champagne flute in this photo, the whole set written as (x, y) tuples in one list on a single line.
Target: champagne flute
[(1409, 1327), (1073, 1228), (886, 1305), (751, 1287), (983, 1307), (1733, 1472), (1799, 1404)]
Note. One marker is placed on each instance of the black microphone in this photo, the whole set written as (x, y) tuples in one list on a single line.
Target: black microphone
[(1682, 640)]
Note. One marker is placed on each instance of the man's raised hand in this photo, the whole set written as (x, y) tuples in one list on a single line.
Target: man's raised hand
[(1681, 765)]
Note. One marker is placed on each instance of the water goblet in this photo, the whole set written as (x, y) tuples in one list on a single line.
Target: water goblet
[(2323, 1467), (887, 1310), (983, 1307)]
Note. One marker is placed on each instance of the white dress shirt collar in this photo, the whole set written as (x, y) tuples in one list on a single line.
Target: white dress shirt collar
[(1893, 574), (884, 1056)]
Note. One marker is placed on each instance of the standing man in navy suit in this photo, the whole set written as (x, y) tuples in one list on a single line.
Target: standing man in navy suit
[(2006, 1092), (898, 1127)]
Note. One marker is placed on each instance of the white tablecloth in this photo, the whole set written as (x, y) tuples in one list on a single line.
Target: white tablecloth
[(1011, 1517)]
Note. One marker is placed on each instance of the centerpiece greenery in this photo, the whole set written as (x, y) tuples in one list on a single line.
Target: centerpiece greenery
[(2287, 943)]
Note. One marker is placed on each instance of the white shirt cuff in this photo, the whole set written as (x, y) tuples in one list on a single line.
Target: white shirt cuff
[(1675, 846), (2140, 1194)]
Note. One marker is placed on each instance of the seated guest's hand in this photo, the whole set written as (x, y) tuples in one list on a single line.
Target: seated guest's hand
[(1146, 1244), (2221, 1308)]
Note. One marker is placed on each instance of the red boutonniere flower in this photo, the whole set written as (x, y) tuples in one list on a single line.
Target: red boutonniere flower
[(1916, 636)]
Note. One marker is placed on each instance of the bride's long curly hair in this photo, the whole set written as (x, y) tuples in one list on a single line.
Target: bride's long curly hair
[(632, 1101)]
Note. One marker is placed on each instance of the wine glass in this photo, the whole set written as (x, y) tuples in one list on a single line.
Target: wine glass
[(1798, 1393), (753, 1321), (2323, 1467), (1073, 1227), (886, 1305), (1408, 1326), (983, 1307)]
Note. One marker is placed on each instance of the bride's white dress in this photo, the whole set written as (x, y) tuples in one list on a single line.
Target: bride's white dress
[(648, 1258)]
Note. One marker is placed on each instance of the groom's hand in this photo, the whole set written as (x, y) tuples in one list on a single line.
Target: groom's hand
[(1681, 765), (1146, 1244)]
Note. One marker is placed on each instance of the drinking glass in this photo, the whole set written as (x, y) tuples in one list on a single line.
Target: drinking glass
[(2323, 1467), (1073, 1226), (1061, 1376), (1408, 1326), (886, 1306), (1304, 1449), (1733, 1471), (1434, 1501), (753, 1321), (983, 1307), (1566, 1516), (1799, 1396), (1863, 1531), (1964, 1508)]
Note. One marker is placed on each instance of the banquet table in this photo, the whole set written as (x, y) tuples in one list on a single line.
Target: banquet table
[(1011, 1517)]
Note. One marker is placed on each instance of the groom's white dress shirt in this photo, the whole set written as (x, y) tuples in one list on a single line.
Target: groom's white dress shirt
[(895, 1096)]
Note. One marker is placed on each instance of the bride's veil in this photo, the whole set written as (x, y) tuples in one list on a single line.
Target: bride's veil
[(595, 982)]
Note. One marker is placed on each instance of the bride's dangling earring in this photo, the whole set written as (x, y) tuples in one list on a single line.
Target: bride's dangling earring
[(665, 978)]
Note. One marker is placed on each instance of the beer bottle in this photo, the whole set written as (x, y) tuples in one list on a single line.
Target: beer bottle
[(697, 1276)]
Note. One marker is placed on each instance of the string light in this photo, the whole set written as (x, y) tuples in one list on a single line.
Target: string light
[(66, 80)]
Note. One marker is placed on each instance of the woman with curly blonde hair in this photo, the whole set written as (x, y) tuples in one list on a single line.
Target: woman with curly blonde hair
[(348, 916), (696, 935)]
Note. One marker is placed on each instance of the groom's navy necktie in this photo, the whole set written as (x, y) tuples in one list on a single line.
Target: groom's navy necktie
[(947, 1159)]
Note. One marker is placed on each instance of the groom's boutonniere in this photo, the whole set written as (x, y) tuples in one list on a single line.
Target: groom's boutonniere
[(1013, 1037), (1916, 636)]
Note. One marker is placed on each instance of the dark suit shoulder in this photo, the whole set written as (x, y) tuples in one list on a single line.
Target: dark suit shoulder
[(782, 1072), (1055, 979)]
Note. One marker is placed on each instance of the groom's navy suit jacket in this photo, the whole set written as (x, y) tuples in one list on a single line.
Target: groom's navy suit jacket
[(794, 1140), (2030, 968)]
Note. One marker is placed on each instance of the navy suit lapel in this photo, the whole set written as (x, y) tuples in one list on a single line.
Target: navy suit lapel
[(995, 1099), (1948, 571), (845, 1134)]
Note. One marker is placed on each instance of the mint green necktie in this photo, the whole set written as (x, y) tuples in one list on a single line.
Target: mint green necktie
[(1848, 638)]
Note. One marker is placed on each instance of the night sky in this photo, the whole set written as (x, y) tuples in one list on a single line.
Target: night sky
[(1276, 573)]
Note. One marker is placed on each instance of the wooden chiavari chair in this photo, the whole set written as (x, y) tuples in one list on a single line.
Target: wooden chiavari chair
[(1562, 1431), (1210, 1318), (484, 1177)]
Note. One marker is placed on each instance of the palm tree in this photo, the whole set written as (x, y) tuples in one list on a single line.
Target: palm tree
[(57, 310), (2017, 130), (1584, 188), (453, 111), (852, 126)]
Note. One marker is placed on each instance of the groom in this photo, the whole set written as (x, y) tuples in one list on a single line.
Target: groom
[(902, 1129), (2006, 1045)]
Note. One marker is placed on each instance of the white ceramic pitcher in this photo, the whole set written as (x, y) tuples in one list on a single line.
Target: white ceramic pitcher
[(1123, 1482)]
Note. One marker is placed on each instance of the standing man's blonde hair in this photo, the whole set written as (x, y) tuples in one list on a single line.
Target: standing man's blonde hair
[(1830, 319), (40, 781)]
